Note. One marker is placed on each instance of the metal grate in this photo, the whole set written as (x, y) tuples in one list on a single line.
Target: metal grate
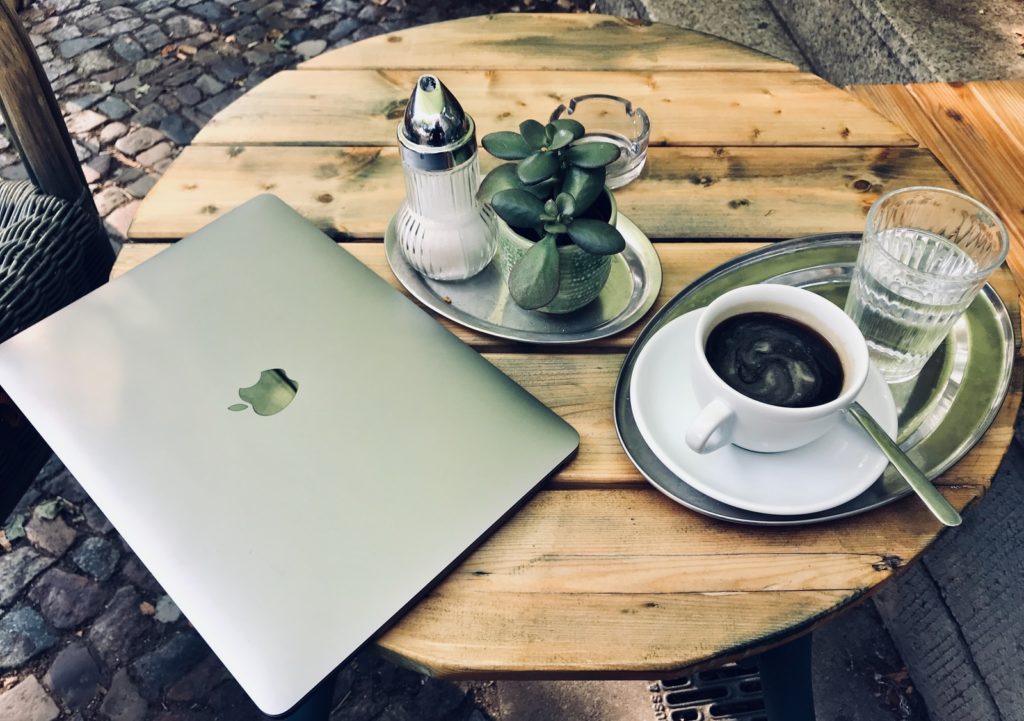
[(729, 693)]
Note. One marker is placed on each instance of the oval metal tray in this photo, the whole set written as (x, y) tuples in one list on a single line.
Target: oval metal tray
[(482, 303), (942, 413)]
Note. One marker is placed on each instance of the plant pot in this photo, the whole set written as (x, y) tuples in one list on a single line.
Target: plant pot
[(581, 275)]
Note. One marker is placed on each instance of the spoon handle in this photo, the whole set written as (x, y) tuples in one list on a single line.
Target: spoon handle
[(935, 501)]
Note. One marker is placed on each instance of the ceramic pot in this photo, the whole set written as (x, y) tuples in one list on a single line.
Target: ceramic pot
[(581, 275)]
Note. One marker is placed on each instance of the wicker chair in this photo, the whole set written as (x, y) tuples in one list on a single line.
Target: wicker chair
[(53, 249)]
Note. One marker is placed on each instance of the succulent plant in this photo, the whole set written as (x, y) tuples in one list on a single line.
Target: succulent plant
[(545, 196)]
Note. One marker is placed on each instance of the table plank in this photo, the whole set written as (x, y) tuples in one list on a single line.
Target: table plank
[(363, 107), (699, 192), (563, 590), (535, 41), (980, 148)]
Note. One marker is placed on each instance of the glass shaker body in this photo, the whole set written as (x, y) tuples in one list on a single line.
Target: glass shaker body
[(444, 231)]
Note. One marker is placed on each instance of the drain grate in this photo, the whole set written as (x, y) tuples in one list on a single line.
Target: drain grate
[(729, 693)]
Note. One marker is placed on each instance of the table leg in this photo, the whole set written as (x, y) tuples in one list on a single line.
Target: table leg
[(786, 681), (316, 706)]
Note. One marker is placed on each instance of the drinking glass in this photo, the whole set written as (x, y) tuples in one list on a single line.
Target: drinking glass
[(925, 255), (613, 120)]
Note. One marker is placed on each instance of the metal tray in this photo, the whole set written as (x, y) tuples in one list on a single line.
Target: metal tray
[(942, 413), (482, 303)]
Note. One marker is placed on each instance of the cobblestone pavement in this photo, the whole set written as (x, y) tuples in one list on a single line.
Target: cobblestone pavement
[(85, 631)]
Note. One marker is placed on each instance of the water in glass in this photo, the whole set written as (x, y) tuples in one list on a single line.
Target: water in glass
[(902, 309)]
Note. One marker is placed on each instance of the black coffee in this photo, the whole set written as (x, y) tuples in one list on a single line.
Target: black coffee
[(775, 360)]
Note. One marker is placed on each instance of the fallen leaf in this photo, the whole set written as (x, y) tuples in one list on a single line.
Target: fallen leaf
[(9, 681), (168, 49), (4, 543), (230, 39), (188, 49), (16, 528), (147, 608), (51, 509)]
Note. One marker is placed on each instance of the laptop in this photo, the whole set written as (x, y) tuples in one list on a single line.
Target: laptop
[(293, 448)]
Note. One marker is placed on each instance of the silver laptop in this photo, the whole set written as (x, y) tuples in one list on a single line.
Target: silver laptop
[(292, 447)]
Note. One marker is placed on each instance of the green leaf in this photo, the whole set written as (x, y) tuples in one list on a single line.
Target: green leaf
[(518, 208), (573, 126), (561, 139), (597, 237), (538, 167), (51, 509), (555, 228), (533, 282), (533, 133), (501, 178), (506, 145), (566, 204), (543, 190), (592, 155), (584, 186)]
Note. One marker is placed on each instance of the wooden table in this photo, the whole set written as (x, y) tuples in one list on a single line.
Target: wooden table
[(600, 575)]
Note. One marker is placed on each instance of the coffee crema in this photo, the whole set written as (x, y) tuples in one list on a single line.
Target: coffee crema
[(775, 360)]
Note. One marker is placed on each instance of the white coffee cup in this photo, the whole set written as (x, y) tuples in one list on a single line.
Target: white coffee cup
[(728, 416)]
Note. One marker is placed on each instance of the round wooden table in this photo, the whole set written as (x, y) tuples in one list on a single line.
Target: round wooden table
[(599, 575)]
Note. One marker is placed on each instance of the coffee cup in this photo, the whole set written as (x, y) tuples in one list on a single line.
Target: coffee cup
[(784, 364)]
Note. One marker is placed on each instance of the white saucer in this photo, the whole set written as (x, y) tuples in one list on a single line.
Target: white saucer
[(826, 473)]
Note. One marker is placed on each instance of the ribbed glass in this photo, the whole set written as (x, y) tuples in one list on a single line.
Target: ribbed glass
[(445, 233)]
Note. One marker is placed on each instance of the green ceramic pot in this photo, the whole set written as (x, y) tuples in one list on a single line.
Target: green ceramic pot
[(581, 275)]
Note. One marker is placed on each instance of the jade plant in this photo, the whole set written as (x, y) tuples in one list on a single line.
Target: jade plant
[(550, 195)]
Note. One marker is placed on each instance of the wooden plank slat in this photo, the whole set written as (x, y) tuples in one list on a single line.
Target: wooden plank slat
[(566, 568), (533, 41), (978, 148), (720, 192), (682, 264), (363, 107)]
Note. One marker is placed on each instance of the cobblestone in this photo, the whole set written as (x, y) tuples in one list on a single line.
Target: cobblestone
[(67, 599), (97, 556), (115, 633), (73, 676), (28, 701), (51, 535), (17, 569), (123, 702), (24, 634)]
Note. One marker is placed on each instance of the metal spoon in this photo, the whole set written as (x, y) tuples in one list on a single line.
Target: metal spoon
[(935, 501)]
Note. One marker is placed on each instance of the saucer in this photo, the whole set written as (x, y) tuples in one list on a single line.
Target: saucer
[(821, 475)]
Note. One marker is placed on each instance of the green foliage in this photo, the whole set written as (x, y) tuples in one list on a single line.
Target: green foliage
[(549, 188)]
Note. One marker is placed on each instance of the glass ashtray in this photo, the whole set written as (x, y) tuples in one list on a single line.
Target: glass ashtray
[(614, 120)]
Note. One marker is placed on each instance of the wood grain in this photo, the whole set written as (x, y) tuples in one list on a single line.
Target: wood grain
[(563, 589), (974, 135), (720, 192), (532, 41), (363, 107)]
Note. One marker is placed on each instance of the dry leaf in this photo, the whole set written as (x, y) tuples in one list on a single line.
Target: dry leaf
[(9, 681), (4, 543), (187, 49), (229, 39), (147, 608), (168, 50)]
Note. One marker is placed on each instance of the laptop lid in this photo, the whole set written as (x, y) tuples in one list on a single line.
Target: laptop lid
[(291, 446)]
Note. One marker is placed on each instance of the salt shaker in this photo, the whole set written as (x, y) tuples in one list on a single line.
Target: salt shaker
[(444, 231)]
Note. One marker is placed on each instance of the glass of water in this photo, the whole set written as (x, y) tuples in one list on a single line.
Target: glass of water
[(925, 255), (612, 119)]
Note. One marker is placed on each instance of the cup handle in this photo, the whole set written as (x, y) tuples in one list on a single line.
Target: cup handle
[(715, 416)]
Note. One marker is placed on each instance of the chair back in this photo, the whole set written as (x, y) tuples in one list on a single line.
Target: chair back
[(53, 248)]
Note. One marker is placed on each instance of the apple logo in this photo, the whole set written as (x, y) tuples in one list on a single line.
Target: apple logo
[(269, 395)]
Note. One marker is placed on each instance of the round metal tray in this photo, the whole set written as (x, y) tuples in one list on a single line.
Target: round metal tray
[(482, 303), (942, 413)]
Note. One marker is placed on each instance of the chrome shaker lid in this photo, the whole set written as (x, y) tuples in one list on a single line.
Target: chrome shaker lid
[(436, 133)]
